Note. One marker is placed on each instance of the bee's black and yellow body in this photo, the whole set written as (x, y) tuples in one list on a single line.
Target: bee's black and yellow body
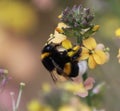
[(64, 62)]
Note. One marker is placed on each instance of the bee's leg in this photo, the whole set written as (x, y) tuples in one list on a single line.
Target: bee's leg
[(53, 77), (71, 79)]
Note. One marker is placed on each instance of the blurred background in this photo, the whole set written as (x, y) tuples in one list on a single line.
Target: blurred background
[(25, 25)]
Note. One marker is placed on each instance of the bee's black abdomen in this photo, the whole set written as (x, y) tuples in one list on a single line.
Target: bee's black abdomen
[(75, 69), (48, 64)]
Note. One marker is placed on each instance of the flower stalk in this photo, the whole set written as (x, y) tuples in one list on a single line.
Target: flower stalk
[(15, 104), (19, 95), (13, 100)]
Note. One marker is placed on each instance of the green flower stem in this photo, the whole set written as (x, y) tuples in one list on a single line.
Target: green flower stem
[(85, 76), (78, 40), (88, 99), (13, 100)]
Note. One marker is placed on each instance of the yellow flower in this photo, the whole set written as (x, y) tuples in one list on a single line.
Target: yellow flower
[(56, 38), (92, 53), (95, 28), (60, 27), (60, 16), (46, 88), (58, 35), (118, 56), (47, 108), (67, 108), (34, 105), (84, 107), (117, 32), (17, 15), (75, 88)]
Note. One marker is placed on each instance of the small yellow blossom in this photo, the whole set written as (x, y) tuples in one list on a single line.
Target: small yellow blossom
[(47, 108), (60, 16), (5, 71), (76, 88), (58, 35), (17, 15), (89, 51), (95, 28), (67, 108), (84, 107), (46, 87), (56, 38), (60, 26), (117, 32), (118, 56), (34, 105)]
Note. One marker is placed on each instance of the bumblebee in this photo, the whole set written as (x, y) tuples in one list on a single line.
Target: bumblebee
[(61, 60)]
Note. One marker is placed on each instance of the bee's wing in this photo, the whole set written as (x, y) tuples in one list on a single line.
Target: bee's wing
[(56, 77), (59, 77)]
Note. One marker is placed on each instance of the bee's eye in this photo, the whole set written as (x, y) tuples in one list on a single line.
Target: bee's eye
[(48, 48)]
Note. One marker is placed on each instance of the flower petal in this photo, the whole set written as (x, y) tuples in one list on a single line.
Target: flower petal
[(82, 67), (118, 56), (82, 92), (100, 46), (100, 57), (89, 82), (84, 50), (84, 54), (90, 43), (77, 79), (91, 62), (117, 32), (62, 25), (67, 44), (58, 38)]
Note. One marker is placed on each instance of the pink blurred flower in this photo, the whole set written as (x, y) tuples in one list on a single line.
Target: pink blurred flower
[(44, 5), (3, 78)]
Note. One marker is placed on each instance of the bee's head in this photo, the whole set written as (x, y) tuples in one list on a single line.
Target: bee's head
[(48, 48), (47, 51)]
